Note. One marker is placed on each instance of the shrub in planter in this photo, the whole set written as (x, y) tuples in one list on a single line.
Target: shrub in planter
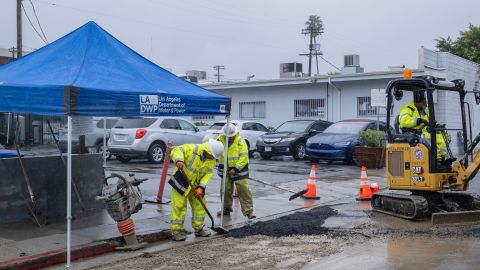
[(371, 153)]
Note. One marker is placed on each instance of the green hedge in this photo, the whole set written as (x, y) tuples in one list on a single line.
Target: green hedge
[(372, 138)]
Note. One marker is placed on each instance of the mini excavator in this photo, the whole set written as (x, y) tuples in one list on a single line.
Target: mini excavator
[(437, 188)]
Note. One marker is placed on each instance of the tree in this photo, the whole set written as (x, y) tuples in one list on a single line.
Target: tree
[(467, 45), (314, 25)]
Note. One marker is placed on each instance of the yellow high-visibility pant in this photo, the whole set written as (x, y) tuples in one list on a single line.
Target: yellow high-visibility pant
[(441, 145), (244, 195), (179, 211)]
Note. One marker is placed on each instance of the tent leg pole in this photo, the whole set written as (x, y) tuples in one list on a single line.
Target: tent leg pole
[(69, 191), (224, 178), (104, 154)]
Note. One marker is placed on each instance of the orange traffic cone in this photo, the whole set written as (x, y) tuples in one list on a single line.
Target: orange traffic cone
[(365, 190), (311, 185)]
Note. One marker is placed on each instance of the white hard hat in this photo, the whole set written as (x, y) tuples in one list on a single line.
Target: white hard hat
[(216, 148), (229, 130)]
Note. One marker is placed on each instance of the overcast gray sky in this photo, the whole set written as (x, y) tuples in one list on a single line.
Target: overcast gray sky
[(252, 36)]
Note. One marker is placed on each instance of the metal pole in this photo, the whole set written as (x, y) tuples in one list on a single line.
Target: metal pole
[(104, 152), (225, 168), (69, 190), (8, 128), (19, 29)]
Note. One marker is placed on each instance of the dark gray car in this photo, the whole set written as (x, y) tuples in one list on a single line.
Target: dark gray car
[(289, 138)]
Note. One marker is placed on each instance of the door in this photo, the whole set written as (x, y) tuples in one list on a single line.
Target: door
[(191, 133), (172, 131)]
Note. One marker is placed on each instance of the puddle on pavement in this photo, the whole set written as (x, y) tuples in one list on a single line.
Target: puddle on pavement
[(405, 253)]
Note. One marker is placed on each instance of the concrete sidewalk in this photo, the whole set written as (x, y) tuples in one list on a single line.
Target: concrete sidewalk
[(24, 239)]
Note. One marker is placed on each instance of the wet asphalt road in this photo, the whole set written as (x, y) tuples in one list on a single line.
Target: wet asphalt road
[(369, 240)]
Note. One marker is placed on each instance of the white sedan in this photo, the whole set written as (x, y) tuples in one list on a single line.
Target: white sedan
[(249, 130)]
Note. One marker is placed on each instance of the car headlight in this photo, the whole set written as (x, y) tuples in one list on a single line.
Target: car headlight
[(260, 139), (346, 143), (288, 139)]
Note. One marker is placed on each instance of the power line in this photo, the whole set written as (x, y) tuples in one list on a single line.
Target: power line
[(38, 21), (31, 24), (328, 62)]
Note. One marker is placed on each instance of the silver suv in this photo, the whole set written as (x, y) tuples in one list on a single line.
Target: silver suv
[(135, 137)]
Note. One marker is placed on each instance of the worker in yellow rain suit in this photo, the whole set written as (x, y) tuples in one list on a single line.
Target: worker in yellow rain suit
[(237, 172), (197, 161), (414, 118)]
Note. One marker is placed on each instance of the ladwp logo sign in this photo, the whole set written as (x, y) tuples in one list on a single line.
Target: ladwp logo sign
[(148, 104)]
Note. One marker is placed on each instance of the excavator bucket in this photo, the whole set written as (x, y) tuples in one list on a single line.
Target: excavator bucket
[(455, 217)]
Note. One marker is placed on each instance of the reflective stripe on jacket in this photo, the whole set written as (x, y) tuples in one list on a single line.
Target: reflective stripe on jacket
[(237, 157), (198, 169)]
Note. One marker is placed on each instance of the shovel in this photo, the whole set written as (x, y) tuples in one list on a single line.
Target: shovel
[(218, 229)]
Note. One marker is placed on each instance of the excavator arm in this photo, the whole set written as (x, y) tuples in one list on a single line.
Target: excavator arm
[(464, 175)]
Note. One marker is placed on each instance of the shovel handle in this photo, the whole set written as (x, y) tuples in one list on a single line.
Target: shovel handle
[(199, 199)]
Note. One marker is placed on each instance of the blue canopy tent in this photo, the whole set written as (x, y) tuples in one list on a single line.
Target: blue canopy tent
[(89, 72)]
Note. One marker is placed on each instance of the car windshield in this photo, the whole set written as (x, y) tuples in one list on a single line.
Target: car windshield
[(294, 126), (135, 122), (346, 127), (218, 126)]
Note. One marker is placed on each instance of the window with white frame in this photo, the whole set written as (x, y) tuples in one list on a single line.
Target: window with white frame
[(309, 108), (252, 110), (364, 108)]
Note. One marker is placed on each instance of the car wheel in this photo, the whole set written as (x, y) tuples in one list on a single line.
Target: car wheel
[(299, 151), (100, 150), (123, 159), (265, 156), (156, 153)]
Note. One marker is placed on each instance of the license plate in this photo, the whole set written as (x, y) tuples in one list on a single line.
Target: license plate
[(268, 149), (120, 137)]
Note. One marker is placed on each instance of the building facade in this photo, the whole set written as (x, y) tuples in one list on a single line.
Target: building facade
[(348, 96)]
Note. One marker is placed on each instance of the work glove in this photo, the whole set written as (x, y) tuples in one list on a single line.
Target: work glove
[(232, 172), (422, 121), (180, 164), (199, 192)]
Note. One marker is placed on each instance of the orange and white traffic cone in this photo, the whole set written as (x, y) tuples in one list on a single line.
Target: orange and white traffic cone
[(365, 190), (311, 185)]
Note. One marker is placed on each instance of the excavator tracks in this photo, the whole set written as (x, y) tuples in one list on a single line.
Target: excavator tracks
[(447, 207), (411, 207)]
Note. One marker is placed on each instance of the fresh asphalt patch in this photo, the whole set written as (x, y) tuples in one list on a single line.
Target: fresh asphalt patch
[(299, 223)]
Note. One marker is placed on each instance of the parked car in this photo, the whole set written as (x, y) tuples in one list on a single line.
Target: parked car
[(289, 138), (93, 140), (338, 140), (136, 137), (249, 130)]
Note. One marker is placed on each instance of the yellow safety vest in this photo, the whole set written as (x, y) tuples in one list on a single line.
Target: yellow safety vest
[(237, 157)]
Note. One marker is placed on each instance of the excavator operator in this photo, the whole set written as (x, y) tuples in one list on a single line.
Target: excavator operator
[(414, 118)]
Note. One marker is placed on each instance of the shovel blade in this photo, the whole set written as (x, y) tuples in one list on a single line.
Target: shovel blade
[(219, 230), (298, 194), (456, 217)]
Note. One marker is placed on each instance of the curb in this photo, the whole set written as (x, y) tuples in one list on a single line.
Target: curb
[(59, 256)]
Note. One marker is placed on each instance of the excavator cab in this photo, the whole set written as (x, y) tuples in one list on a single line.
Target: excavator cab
[(412, 163)]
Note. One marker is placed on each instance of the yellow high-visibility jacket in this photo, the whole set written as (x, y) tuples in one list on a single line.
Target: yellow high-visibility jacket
[(237, 157), (198, 169), (409, 115)]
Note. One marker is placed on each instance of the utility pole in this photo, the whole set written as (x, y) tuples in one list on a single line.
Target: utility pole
[(312, 51), (13, 50), (19, 29), (218, 68)]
